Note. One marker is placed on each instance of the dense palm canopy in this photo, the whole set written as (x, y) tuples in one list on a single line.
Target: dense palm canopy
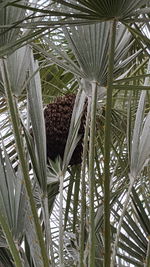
[(96, 212)]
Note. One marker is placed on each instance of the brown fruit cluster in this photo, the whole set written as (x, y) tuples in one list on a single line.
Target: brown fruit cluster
[(57, 122)]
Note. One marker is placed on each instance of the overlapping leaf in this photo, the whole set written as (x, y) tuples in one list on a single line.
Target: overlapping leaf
[(37, 120), (101, 9), (141, 138)]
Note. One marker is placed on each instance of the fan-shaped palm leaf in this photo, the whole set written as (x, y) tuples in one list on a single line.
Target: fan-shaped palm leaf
[(101, 10)]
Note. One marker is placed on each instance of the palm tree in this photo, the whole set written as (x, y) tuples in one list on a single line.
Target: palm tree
[(94, 212)]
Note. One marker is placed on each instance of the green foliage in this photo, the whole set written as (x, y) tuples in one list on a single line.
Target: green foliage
[(96, 213)]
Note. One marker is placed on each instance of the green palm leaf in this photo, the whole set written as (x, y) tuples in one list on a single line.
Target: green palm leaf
[(102, 10)]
